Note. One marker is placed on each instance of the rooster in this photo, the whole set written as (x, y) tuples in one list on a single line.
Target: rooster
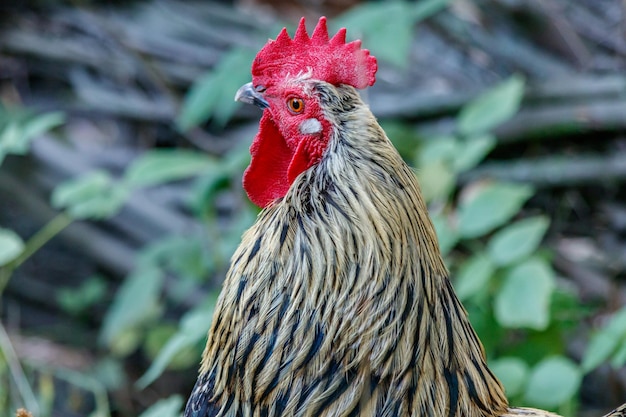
[(337, 302)]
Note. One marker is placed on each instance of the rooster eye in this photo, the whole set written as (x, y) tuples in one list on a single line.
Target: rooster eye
[(295, 105)]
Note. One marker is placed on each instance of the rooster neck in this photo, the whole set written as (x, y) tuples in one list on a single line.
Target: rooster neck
[(339, 291)]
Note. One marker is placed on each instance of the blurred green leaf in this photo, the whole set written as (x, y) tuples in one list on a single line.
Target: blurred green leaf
[(424, 9), (169, 407), (438, 149), (94, 195), (231, 239), (491, 206), (600, 349), (537, 345), (193, 329), (619, 357), (512, 372), (474, 275), (524, 298), (552, 382), (606, 342), (370, 21), (42, 123), (109, 372), (11, 141), (517, 240), (160, 166), (472, 151), (135, 300), (76, 300), (11, 246), (492, 108), (157, 337), (200, 101), (402, 135), (184, 255), (436, 181), (17, 135), (446, 234), (212, 96)]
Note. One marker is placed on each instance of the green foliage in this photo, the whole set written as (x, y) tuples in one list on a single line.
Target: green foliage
[(193, 329), (523, 300), (11, 246), (19, 128), (492, 108), (609, 343), (133, 320), (513, 373), (518, 240), (160, 166), (213, 95), (553, 382), (549, 384), (93, 196), (474, 275), (77, 300), (388, 42), (446, 233), (169, 407), (508, 288), (136, 300), (443, 158), (97, 195), (491, 205)]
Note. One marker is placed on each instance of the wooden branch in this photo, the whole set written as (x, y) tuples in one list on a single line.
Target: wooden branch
[(574, 118), (555, 171), (518, 53)]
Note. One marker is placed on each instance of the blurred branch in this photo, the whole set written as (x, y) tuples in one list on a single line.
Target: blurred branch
[(558, 120), (517, 53), (556, 91), (555, 171)]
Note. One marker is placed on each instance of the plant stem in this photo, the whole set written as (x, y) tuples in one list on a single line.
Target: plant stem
[(21, 382), (50, 230)]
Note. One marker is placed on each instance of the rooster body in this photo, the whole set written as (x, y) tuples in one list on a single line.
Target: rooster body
[(337, 301)]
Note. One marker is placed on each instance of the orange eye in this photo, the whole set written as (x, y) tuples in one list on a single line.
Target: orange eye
[(295, 105)]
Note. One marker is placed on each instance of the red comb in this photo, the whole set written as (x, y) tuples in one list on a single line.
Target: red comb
[(333, 61)]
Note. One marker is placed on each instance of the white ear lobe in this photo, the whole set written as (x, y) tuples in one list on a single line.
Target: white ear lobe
[(310, 126)]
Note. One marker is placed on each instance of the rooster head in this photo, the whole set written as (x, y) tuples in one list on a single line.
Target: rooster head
[(295, 131)]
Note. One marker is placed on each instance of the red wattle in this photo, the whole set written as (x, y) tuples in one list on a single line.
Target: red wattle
[(300, 162), (266, 179)]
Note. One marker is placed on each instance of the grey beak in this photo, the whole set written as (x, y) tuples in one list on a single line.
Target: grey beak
[(247, 94)]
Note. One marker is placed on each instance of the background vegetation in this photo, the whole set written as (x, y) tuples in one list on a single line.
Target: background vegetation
[(121, 154)]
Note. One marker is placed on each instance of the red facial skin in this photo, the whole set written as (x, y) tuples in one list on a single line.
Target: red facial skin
[(280, 152)]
